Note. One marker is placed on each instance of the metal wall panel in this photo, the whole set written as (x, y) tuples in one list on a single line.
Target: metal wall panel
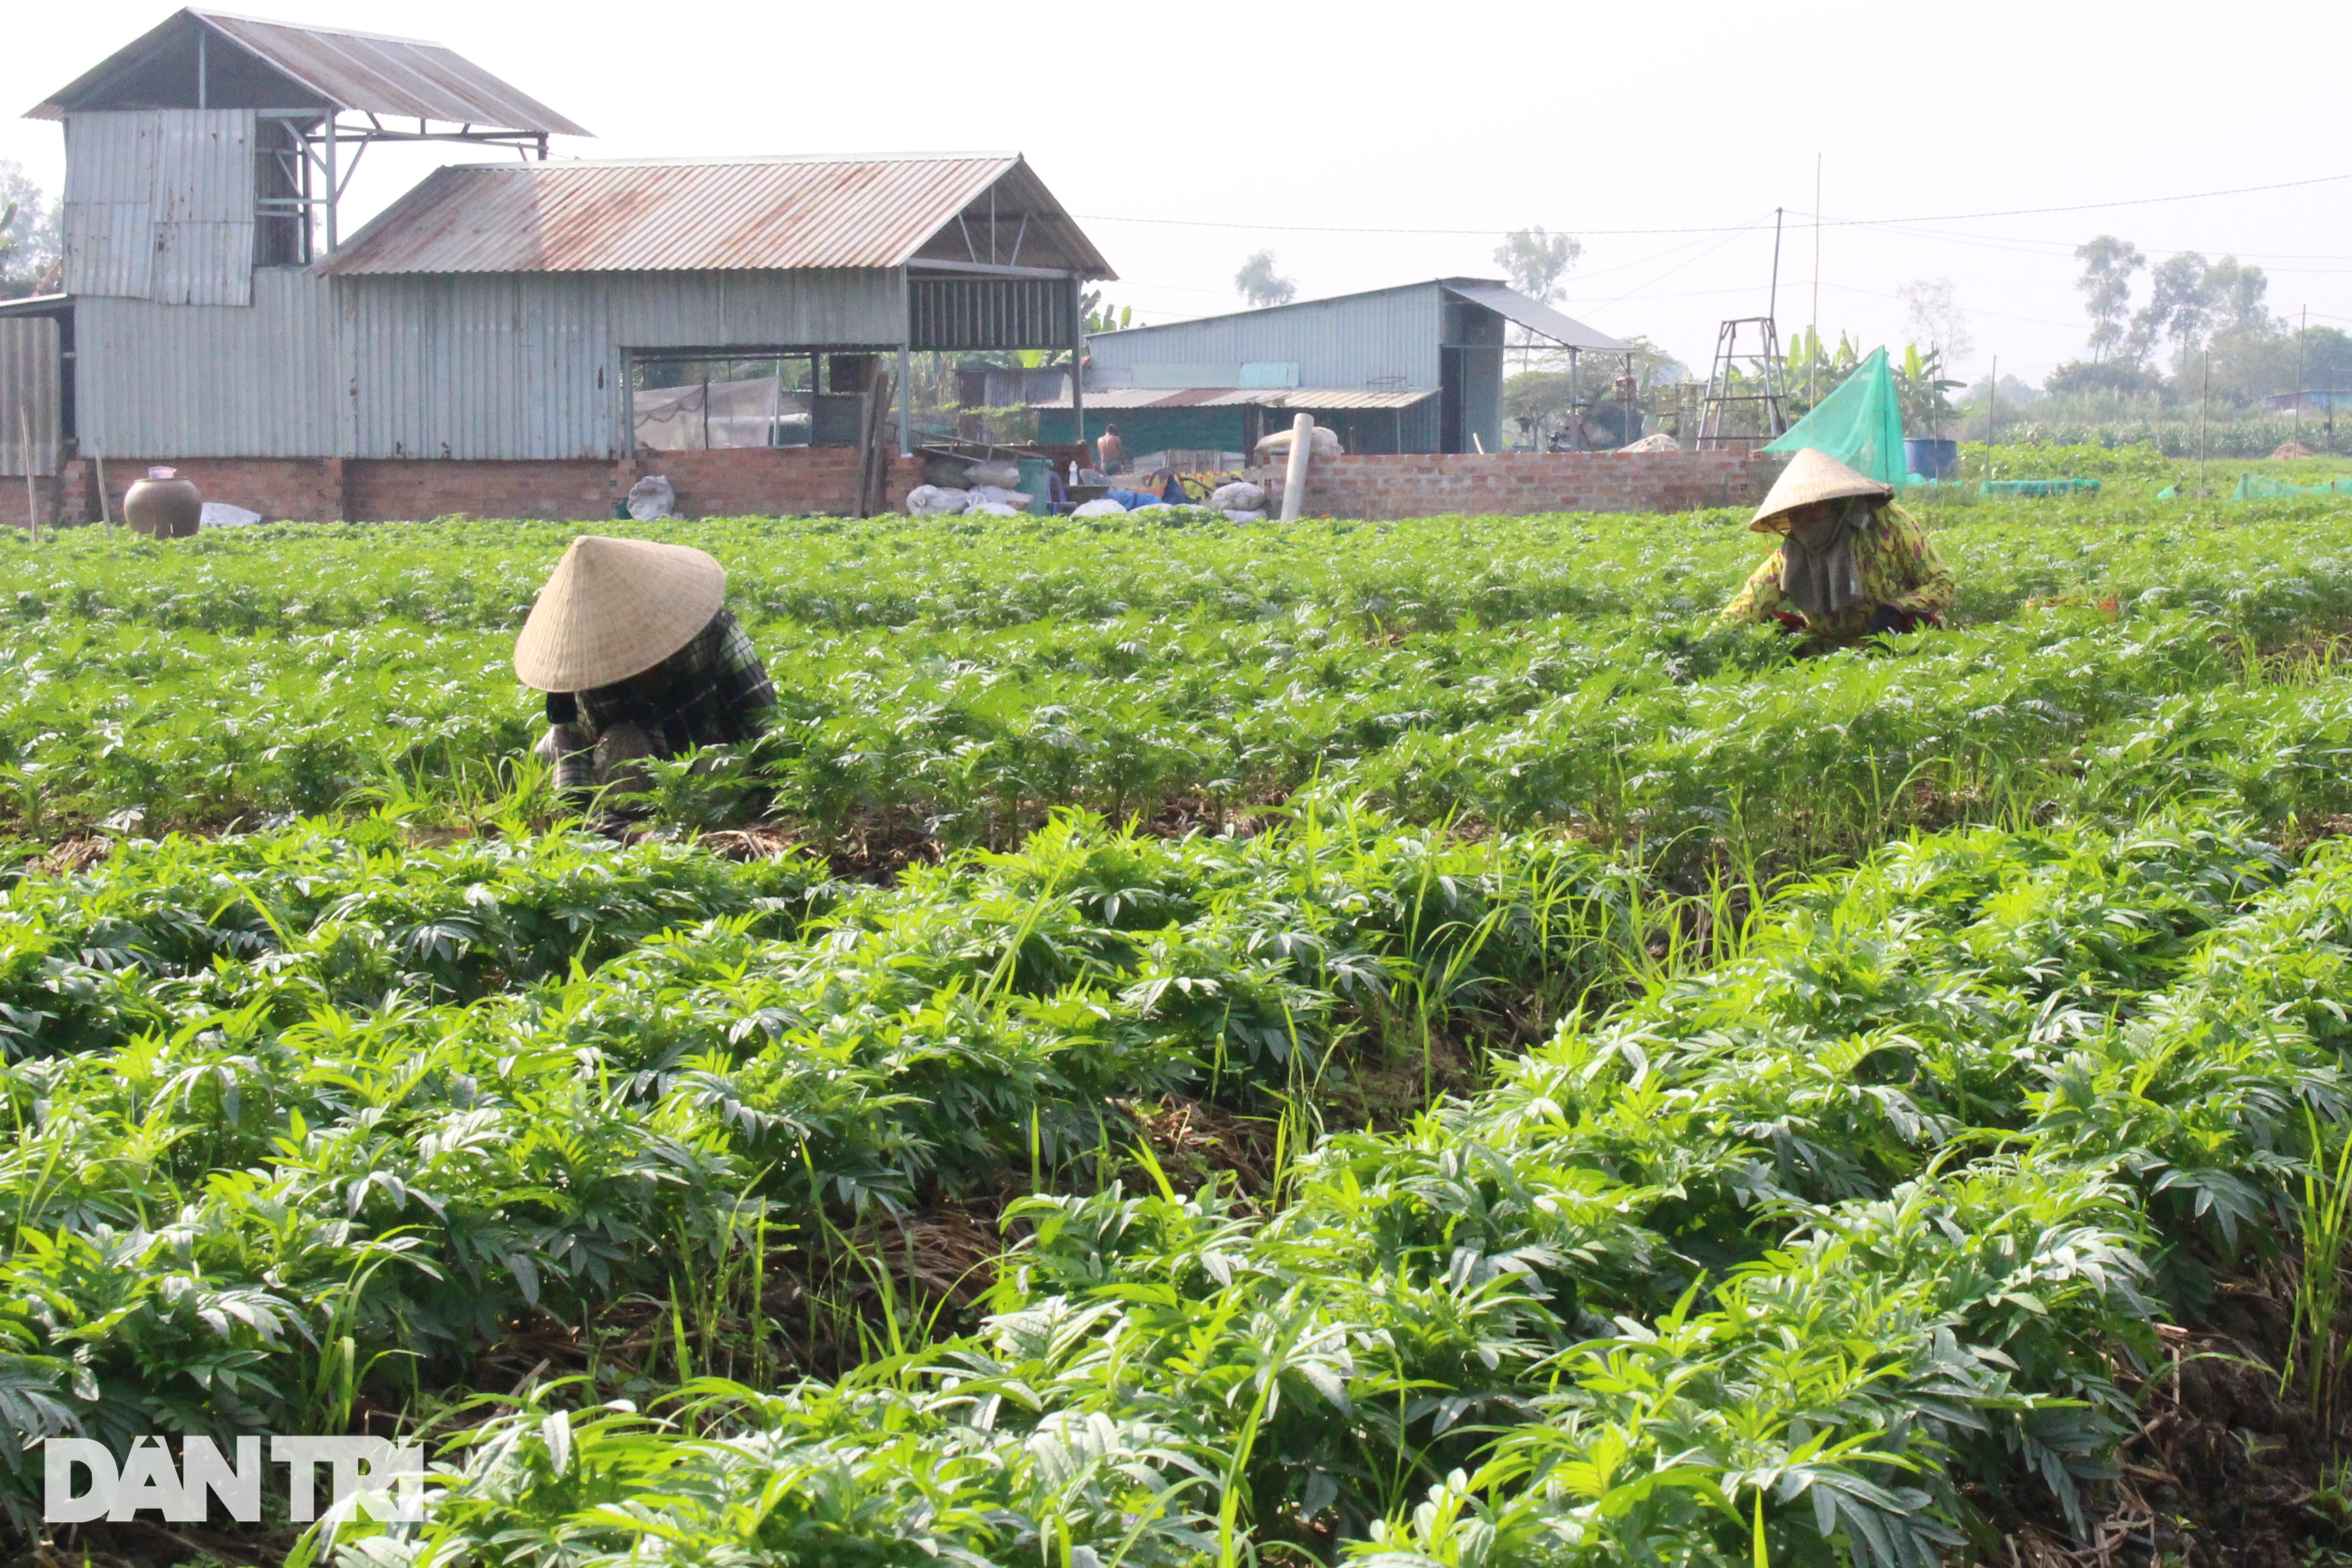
[(518, 367), (160, 205), (532, 365), (203, 165), (846, 307), (1389, 339), (202, 264), (107, 220), (110, 249), (110, 157), (953, 313), (31, 388), (210, 381), (203, 207)]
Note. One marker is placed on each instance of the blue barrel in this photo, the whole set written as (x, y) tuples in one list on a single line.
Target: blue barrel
[(1930, 458)]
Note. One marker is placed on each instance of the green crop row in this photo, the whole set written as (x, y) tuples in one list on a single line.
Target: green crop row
[(971, 735), (1769, 1266), (321, 1128), (903, 574), (270, 1161)]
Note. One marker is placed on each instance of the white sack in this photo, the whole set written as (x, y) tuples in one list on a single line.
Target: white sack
[(1002, 476), (220, 514), (1102, 507), (1323, 442), (1661, 442), (997, 495), (990, 509), (936, 501), (1235, 515), (651, 499), (1239, 496)]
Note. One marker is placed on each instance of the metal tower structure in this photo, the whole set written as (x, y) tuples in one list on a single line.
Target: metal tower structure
[(1743, 411)]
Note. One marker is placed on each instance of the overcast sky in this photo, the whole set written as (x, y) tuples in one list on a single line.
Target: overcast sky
[(1372, 145)]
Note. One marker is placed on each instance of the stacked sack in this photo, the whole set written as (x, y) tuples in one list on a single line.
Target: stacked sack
[(1241, 501), (1321, 443), (980, 500)]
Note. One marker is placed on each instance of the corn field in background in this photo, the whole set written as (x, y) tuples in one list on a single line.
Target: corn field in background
[(1382, 1043)]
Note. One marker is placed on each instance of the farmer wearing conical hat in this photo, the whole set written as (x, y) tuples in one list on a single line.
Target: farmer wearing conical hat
[(1851, 562), (639, 657)]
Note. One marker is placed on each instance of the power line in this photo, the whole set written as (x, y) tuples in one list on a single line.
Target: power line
[(1719, 228), (2060, 249), (2090, 206)]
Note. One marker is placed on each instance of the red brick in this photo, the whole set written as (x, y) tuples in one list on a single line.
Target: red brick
[(762, 483), (1519, 483)]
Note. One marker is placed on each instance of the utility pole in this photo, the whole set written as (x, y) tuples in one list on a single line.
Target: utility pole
[(1813, 358), (2204, 396), (1992, 405), (2302, 340), (32, 490)]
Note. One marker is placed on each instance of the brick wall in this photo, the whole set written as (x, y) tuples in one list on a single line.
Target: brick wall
[(44, 498), (295, 489), (790, 481), (1519, 483), (402, 490), (803, 480), (787, 482)]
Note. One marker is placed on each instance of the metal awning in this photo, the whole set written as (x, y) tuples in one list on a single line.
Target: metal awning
[(1524, 310), (38, 305), (1334, 398), (1320, 398)]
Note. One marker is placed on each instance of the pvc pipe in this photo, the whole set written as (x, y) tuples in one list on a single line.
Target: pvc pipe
[(1294, 479)]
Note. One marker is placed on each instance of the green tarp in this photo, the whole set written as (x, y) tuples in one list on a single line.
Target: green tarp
[(2037, 487), (1860, 424), (2262, 487)]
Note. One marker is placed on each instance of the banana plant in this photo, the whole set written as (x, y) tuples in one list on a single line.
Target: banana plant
[(1919, 388), (1103, 318)]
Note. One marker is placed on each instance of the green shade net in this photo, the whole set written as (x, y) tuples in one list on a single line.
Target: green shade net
[(2262, 487), (1860, 424)]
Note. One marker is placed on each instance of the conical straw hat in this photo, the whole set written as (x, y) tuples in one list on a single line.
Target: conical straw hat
[(614, 608), (1812, 476)]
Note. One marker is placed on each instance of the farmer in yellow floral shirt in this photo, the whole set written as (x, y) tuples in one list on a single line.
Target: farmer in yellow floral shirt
[(1851, 562)]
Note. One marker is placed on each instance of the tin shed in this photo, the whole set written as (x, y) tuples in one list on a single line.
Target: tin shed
[(1425, 358), (214, 309)]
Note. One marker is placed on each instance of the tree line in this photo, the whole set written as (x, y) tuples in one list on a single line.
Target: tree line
[(2167, 330)]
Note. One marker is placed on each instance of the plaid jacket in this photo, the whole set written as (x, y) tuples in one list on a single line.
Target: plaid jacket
[(714, 691), (1899, 568)]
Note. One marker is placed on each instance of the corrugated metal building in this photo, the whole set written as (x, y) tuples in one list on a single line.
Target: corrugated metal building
[(1218, 420), (500, 311), (1427, 357)]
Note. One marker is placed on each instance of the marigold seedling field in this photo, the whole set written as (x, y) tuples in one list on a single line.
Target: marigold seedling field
[(1388, 1043)]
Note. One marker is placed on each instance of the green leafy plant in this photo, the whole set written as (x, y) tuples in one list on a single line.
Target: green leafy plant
[(1919, 388)]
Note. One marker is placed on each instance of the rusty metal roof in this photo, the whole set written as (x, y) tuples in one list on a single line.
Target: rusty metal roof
[(705, 214), (367, 73)]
